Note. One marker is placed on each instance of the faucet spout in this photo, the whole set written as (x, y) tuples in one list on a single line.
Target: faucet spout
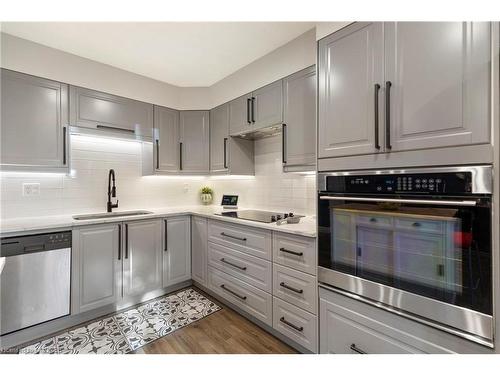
[(111, 191)]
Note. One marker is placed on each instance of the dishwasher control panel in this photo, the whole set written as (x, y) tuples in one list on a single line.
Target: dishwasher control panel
[(11, 246)]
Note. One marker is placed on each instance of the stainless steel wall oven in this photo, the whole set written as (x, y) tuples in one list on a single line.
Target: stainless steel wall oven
[(417, 242)]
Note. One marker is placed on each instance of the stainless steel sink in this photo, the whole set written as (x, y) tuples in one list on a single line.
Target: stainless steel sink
[(105, 215)]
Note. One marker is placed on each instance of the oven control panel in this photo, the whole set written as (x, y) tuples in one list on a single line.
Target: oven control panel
[(417, 183)]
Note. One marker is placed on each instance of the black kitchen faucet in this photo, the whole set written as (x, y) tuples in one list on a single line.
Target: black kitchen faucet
[(111, 190)]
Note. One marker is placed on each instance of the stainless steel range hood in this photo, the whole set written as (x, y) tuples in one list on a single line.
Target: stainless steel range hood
[(260, 133)]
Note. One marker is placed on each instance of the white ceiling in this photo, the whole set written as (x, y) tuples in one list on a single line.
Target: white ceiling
[(187, 54)]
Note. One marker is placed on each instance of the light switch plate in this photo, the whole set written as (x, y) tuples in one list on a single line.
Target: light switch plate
[(31, 189)]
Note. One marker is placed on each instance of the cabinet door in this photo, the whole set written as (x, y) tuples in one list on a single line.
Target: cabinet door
[(267, 106), (299, 118), (194, 141), (199, 238), (34, 117), (142, 257), (177, 252), (350, 64), (98, 110), (166, 143), (239, 114), (440, 83), (97, 267), (219, 138)]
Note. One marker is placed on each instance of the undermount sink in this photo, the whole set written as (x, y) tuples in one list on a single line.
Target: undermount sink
[(104, 215)]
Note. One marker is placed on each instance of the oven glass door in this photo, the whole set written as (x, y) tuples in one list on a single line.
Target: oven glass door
[(440, 251)]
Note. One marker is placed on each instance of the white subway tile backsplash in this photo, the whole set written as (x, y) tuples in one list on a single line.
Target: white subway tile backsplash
[(85, 190)]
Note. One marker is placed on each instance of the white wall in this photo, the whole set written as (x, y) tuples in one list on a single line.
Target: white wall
[(85, 190), (32, 58), (326, 28), (290, 58)]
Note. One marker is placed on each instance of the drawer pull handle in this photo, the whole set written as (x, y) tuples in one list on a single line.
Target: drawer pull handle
[(416, 224), (233, 293), (300, 291), (283, 320), (291, 252), (373, 220), (354, 348), (232, 264), (234, 237)]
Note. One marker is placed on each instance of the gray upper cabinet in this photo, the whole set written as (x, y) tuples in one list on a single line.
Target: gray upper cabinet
[(194, 141), (176, 250), (219, 137), (228, 154), (350, 64), (440, 83), (111, 113), (267, 106), (142, 257), (239, 114), (96, 267), (299, 118), (34, 118), (166, 139), (386, 87)]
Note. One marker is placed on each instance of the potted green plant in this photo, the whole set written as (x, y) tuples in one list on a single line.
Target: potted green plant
[(206, 194)]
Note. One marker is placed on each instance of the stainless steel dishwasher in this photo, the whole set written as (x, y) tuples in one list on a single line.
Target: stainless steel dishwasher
[(35, 281)]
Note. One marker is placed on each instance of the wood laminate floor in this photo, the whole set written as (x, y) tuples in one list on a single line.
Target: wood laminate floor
[(223, 332)]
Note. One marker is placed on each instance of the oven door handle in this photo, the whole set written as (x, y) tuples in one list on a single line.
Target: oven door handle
[(428, 202)]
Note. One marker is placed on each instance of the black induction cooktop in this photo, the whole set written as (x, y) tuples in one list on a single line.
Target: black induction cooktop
[(256, 215)]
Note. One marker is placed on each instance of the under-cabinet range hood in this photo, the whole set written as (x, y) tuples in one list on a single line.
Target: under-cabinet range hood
[(260, 133)]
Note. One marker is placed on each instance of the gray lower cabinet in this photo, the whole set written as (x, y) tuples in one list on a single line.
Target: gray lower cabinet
[(350, 65), (96, 267), (227, 154), (142, 257), (176, 250), (378, 95), (110, 113), (194, 141), (199, 238), (299, 119), (34, 118), (166, 139), (349, 326)]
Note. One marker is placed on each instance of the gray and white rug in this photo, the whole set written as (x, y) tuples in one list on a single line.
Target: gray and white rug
[(129, 330)]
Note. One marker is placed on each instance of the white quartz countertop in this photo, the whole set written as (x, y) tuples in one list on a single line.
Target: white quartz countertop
[(29, 225)]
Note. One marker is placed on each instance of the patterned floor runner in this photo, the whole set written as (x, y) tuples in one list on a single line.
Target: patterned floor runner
[(131, 329)]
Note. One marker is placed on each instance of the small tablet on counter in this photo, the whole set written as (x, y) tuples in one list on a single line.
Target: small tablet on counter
[(229, 202)]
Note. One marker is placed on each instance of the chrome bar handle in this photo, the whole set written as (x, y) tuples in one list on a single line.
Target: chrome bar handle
[(297, 328), (299, 291), (233, 237), (291, 252), (354, 348), (243, 268), (467, 203), (233, 293)]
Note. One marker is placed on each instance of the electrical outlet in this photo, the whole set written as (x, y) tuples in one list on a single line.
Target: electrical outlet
[(31, 189)]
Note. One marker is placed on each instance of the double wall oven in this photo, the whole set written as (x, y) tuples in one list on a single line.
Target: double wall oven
[(417, 242)]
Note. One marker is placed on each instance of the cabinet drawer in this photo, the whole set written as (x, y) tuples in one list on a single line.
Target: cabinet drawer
[(247, 297), (255, 271), (342, 335), (434, 226), (296, 324), (375, 220), (295, 251), (297, 288), (246, 239)]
